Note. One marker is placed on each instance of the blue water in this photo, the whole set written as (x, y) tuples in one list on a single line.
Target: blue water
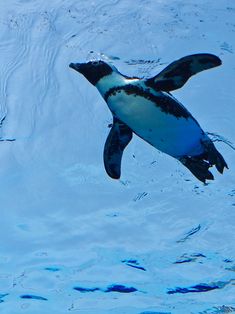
[(157, 241)]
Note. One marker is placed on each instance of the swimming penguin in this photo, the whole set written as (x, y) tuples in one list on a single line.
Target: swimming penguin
[(147, 108)]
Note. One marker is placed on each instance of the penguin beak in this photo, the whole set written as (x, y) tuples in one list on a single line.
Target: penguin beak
[(76, 66)]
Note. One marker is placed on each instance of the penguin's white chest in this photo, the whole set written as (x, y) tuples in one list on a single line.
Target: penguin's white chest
[(176, 136)]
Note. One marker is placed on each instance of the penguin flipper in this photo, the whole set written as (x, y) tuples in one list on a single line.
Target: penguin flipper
[(119, 137), (176, 74)]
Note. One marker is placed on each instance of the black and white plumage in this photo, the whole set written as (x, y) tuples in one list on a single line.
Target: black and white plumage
[(146, 107)]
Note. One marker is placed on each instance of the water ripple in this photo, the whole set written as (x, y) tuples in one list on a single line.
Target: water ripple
[(202, 287)]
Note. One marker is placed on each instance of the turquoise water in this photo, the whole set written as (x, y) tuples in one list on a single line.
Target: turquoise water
[(73, 240)]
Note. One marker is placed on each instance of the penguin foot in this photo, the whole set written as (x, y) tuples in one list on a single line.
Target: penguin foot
[(198, 167), (213, 156)]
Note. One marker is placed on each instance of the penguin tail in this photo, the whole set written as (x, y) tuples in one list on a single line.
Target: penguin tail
[(199, 165)]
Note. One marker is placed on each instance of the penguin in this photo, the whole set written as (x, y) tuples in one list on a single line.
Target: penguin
[(147, 108)]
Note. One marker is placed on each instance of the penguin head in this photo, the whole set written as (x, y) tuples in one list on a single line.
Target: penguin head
[(93, 70)]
